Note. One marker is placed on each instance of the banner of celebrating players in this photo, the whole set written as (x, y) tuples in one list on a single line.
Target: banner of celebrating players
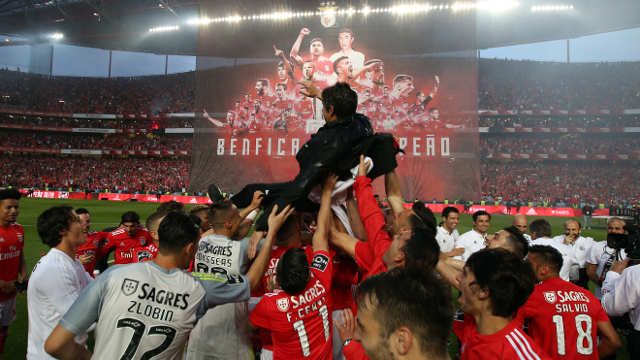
[(254, 119)]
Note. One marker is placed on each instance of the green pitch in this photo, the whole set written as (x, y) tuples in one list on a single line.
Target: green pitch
[(107, 213)]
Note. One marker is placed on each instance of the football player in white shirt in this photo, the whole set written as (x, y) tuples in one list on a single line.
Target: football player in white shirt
[(474, 239), (57, 279), (541, 235), (601, 256), (146, 310), (345, 40), (580, 247), (223, 332), (447, 233), (520, 222)]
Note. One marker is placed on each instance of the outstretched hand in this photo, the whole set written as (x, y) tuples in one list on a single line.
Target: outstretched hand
[(276, 219), (363, 167), (310, 90), (329, 182), (347, 325)]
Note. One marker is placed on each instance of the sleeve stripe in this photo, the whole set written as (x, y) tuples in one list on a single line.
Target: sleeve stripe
[(210, 277), (521, 345), (513, 345), (526, 342)]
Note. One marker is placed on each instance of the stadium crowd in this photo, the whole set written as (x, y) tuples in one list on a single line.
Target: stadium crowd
[(39, 140), (496, 123), (564, 144), (70, 122), (140, 175)]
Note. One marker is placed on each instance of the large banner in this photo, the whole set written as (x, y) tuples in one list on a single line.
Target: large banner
[(252, 118)]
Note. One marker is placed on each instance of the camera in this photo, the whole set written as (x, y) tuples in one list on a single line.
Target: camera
[(629, 241)]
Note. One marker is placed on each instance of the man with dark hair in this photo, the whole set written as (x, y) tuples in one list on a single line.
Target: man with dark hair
[(92, 250), (404, 314), (334, 148), (580, 247), (567, 321), (169, 206), (201, 211), (447, 234), (128, 236), (475, 239), (511, 239), (13, 268), (345, 41), (541, 235), (145, 310), (57, 279), (299, 315), (494, 283)]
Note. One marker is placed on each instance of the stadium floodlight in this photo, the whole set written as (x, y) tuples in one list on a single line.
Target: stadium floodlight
[(552, 8), (199, 21), (164, 28), (366, 10), (56, 36), (497, 5)]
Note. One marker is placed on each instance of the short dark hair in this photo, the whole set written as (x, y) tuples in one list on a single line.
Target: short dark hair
[(507, 277), (292, 272), (548, 255), (81, 211), (423, 217), (170, 205), (176, 231), (10, 194), (414, 298), (290, 228), (197, 208), (541, 227), (346, 30), (343, 99), (448, 210), (480, 213), (219, 213), (281, 64), (153, 219), (316, 39), (281, 85), (421, 249), (52, 221), (130, 216), (517, 241)]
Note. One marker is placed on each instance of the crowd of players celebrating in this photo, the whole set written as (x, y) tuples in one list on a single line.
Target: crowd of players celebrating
[(374, 284)]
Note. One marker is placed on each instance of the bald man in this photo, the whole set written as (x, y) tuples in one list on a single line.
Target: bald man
[(520, 222), (580, 247)]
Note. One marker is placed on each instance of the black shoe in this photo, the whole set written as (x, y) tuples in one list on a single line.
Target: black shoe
[(215, 194)]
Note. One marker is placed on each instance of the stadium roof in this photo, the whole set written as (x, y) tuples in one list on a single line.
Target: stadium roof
[(125, 24)]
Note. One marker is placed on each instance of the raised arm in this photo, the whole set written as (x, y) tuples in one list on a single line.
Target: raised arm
[(260, 263), (295, 49), (394, 192), (245, 225), (320, 240)]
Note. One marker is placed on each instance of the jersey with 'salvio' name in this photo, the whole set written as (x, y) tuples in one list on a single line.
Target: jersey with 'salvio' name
[(144, 310)]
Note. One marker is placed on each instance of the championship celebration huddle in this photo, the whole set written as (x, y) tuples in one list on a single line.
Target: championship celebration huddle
[(343, 259)]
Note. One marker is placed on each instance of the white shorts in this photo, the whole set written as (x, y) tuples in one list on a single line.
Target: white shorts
[(7, 312)]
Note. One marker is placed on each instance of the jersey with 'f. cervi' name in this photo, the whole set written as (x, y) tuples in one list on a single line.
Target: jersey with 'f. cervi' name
[(223, 332), (11, 244), (145, 311), (563, 319), (300, 324)]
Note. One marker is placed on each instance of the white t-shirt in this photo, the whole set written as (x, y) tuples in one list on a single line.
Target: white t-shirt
[(445, 239), (55, 283), (599, 254), (528, 237), (146, 311), (579, 248), (223, 332), (472, 241), (356, 57), (565, 250), (621, 294)]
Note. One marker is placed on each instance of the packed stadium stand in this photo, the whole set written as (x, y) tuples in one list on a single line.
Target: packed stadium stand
[(549, 132)]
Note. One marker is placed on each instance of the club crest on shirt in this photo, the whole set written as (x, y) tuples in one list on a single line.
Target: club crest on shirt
[(129, 286), (283, 304), (550, 297), (142, 240), (20, 239)]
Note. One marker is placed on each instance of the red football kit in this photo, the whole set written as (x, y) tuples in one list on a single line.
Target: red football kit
[(562, 319), (11, 244), (300, 324), (510, 343), (122, 242), (94, 247)]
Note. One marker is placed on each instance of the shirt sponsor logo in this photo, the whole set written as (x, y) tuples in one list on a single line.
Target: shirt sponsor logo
[(550, 297), (144, 255), (283, 304), (129, 286), (320, 262)]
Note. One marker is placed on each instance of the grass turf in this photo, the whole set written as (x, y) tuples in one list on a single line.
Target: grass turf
[(107, 213)]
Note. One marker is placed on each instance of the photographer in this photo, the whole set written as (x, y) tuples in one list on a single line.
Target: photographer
[(603, 254)]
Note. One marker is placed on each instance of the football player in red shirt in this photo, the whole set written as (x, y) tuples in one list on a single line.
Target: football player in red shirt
[(89, 252), (494, 283), (12, 265), (128, 236), (150, 250), (298, 315), (566, 320)]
